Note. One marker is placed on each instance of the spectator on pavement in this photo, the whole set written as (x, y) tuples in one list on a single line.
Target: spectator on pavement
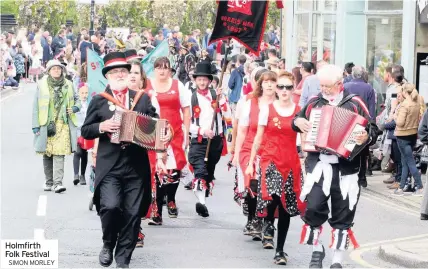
[(423, 137), (311, 87), (348, 72), (236, 81), (84, 45), (58, 43)]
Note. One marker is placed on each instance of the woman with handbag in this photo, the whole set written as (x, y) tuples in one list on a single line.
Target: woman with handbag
[(55, 123)]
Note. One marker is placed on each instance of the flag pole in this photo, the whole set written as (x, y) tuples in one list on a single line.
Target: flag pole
[(223, 70)]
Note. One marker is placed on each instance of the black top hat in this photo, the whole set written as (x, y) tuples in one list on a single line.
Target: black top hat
[(132, 55), (204, 70), (115, 60)]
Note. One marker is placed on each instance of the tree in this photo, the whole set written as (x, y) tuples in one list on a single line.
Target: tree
[(46, 13), (8, 7), (199, 15), (274, 14)]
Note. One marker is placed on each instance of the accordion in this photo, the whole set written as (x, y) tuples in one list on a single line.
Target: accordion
[(333, 130), (140, 129)]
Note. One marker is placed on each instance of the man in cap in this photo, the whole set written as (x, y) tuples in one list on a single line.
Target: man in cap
[(210, 117), (122, 176)]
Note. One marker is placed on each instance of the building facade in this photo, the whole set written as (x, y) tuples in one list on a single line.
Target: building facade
[(371, 33)]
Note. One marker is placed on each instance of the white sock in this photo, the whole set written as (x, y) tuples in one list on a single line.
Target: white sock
[(318, 247), (337, 256), (201, 196)]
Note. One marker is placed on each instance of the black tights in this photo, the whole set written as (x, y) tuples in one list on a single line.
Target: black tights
[(169, 190), (283, 221), (80, 157), (252, 204)]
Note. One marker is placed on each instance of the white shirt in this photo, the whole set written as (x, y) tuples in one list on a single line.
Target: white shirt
[(206, 115), (184, 95)]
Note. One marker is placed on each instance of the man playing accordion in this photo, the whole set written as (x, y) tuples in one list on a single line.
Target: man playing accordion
[(330, 175)]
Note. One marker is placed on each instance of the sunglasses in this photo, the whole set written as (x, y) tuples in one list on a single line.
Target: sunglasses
[(282, 87)]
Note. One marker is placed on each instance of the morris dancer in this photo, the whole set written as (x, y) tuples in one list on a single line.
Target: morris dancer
[(246, 116), (331, 176), (203, 108), (278, 170), (122, 176), (171, 99)]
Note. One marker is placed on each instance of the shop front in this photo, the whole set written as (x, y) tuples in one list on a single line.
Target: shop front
[(366, 32)]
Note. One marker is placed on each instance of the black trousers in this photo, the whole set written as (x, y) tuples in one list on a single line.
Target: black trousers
[(169, 190), (121, 192), (205, 170), (365, 161), (80, 160), (283, 221), (317, 209)]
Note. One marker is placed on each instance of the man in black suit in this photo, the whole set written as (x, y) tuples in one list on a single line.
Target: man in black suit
[(122, 176)]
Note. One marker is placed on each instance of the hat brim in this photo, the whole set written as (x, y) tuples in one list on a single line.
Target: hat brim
[(108, 68), (64, 69), (209, 76)]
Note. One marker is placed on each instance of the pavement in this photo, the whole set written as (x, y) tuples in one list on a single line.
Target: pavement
[(387, 228)]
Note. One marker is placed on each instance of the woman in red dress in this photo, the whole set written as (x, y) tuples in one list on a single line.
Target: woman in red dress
[(170, 99), (263, 95), (278, 172)]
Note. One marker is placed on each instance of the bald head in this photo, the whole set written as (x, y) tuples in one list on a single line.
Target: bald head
[(45, 34)]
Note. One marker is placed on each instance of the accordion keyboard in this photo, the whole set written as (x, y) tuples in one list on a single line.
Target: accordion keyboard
[(311, 136)]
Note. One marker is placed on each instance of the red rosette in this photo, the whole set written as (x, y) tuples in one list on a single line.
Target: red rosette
[(196, 111)]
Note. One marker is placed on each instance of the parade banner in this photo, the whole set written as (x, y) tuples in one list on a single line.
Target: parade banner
[(162, 50), (242, 20), (96, 81)]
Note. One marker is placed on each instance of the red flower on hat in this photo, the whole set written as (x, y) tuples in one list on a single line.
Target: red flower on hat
[(196, 111)]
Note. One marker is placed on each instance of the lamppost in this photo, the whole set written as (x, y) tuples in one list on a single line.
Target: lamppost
[(91, 29)]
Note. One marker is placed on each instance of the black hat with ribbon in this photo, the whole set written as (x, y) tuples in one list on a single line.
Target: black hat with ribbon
[(132, 55), (115, 60), (204, 70)]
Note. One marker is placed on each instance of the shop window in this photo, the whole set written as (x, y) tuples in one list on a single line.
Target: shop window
[(302, 33), (383, 48), (317, 5), (385, 4), (323, 38)]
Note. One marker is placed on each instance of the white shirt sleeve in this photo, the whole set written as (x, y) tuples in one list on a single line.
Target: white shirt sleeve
[(244, 114), (263, 115), (185, 95)]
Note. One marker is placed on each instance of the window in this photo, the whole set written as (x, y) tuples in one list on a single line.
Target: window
[(302, 33), (385, 4), (323, 38), (383, 48)]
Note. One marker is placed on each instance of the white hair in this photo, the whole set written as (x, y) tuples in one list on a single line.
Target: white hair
[(330, 72)]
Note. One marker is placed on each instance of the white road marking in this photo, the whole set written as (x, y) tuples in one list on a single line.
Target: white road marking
[(39, 234), (41, 206)]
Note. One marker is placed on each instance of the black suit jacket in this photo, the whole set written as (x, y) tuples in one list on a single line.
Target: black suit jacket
[(108, 153)]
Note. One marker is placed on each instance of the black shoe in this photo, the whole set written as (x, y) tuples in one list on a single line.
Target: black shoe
[(424, 216), (257, 237), (362, 182), (369, 173), (122, 265), (156, 221), (202, 210), (267, 243), (76, 180), (268, 230), (317, 258), (247, 228), (256, 226), (106, 256), (82, 180), (188, 186), (336, 265), (172, 210), (140, 241), (280, 258)]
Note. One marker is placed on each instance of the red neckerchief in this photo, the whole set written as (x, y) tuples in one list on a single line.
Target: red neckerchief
[(204, 93), (121, 95)]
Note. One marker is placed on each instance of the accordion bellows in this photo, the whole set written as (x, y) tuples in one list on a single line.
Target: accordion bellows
[(140, 129), (333, 130)]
